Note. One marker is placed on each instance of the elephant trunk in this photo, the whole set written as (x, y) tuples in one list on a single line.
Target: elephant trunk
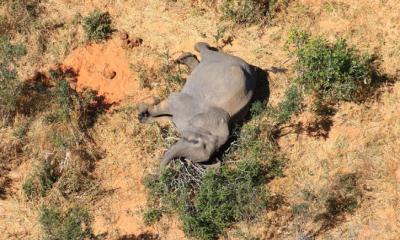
[(175, 151)]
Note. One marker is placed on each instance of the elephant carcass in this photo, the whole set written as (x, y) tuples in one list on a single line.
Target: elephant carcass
[(215, 96)]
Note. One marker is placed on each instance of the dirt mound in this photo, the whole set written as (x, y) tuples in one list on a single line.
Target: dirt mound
[(104, 67)]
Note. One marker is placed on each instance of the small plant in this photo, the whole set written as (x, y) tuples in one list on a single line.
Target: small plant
[(152, 216), (219, 35), (62, 94), (21, 15), (73, 181), (10, 86), (344, 195), (171, 74), (41, 181), (97, 26), (289, 106), (144, 75), (248, 11), (22, 128), (331, 71), (60, 140), (257, 108), (74, 224), (300, 209), (29, 188)]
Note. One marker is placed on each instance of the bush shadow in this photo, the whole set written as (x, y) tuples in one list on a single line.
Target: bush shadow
[(142, 236)]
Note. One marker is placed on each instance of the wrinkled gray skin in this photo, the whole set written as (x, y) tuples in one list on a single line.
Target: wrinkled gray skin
[(215, 96)]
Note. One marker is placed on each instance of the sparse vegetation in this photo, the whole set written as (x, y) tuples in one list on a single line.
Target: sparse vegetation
[(344, 196), (10, 86), (22, 128), (65, 163), (40, 183), (167, 78), (152, 216), (171, 72), (97, 26), (145, 75), (249, 11), (73, 224), (329, 206), (20, 15)]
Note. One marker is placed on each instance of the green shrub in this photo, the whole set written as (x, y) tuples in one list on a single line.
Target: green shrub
[(41, 181), (29, 188), (220, 199), (168, 187), (10, 86), (344, 195), (74, 224), (289, 106), (257, 108), (67, 105), (22, 128), (224, 198), (248, 11), (152, 216), (62, 95), (254, 141), (97, 26), (330, 71)]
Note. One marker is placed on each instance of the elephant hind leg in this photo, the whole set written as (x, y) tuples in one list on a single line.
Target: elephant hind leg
[(188, 59)]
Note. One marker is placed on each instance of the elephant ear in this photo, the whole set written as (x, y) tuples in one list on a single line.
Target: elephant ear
[(214, 122), (192, 137)]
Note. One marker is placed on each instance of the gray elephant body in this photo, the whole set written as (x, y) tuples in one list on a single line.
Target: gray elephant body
[(216, 95)]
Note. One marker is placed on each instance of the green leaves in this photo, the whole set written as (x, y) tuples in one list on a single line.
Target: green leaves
[(74, 224), (97, 26), (331, 71)]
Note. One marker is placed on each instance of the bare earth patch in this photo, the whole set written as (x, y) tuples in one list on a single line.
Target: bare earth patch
[(104, 67)]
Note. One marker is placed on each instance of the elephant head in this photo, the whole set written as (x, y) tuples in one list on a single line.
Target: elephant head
[(206, 133)]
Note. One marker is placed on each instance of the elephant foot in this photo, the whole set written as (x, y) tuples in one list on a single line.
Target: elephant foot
[(144, 114)]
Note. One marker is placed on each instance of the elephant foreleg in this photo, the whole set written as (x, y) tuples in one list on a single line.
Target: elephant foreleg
[(146, 112)]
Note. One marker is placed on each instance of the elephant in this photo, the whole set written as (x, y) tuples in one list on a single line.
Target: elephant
[(215, 97)]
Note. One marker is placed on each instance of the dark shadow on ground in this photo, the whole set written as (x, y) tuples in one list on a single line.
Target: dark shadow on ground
[(142, 236), (5, 184)]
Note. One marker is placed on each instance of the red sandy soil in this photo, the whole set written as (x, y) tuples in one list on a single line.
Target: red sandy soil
[(104, 67)]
